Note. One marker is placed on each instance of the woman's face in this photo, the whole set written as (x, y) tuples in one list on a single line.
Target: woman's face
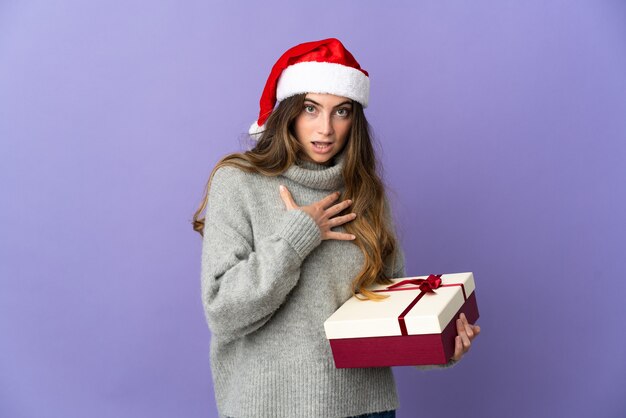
[(323, 126)]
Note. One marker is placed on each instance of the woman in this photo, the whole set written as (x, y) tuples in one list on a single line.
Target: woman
[(293, 228)]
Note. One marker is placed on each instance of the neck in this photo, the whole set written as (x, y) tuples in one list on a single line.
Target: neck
[(306, 162), (316, 175)]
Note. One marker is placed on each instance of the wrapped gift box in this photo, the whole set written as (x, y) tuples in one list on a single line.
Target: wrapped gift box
[(415, 325)]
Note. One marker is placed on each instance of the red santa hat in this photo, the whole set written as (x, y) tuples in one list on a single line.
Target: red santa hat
[(324, 66)]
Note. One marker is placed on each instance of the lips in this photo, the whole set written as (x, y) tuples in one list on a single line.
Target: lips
[(321, 147)]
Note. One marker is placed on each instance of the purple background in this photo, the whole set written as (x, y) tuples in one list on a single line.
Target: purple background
[(503, 130)]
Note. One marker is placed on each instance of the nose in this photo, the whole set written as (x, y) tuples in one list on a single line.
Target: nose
[(325, 126)]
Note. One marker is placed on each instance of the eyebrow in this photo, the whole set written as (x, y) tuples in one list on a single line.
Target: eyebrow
[(340, 104)]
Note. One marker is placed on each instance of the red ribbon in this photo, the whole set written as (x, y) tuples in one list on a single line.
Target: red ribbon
[(427, 285)]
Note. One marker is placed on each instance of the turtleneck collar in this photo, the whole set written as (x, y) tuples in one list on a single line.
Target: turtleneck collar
[(318, 176)]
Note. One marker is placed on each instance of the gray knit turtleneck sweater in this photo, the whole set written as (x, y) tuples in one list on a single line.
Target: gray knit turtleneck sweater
[(268, 285)]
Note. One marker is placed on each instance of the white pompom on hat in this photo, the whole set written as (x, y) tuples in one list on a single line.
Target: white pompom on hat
[(324, 66)]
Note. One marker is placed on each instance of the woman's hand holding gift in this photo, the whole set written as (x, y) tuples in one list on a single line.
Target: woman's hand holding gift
[(466, 334)]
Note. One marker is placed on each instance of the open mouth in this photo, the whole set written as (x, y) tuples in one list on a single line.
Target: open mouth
[(322, 145)]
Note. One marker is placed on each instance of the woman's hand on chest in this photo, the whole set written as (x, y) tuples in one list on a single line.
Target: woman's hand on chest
[(324, 213)]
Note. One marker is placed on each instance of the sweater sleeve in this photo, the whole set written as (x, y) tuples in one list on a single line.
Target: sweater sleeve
[(395, 267), (449, 364), (243, 281), (399, 269)]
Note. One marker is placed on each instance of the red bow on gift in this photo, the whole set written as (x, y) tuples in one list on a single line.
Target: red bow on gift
[(428, 284)]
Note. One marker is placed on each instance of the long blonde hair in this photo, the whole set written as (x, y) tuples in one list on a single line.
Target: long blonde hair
[(277, 149)]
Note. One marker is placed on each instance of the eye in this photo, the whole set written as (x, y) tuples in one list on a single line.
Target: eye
[(309, 108), (343, 112)]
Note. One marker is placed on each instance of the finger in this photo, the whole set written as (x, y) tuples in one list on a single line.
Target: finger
[(333, 210), (461, 330), (325, 202), (338, 235), (468, 329), (476, 330), (287, 199), (458, 348), (339, 220)]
